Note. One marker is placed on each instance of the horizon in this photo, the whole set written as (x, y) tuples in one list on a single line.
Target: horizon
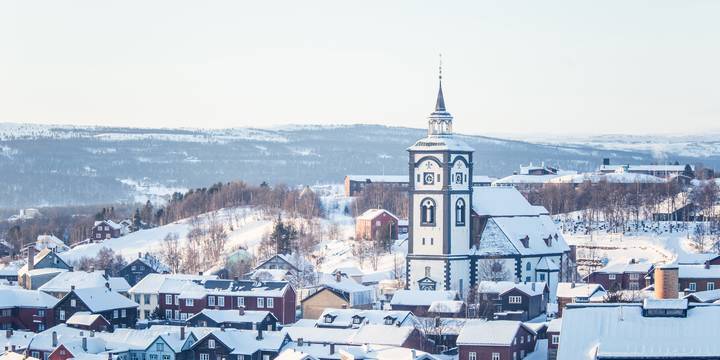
[(622, 68)]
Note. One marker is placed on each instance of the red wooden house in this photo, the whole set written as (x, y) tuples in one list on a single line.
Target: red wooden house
[(376, 224), (495, 340)]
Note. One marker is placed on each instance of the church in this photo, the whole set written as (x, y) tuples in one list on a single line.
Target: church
[(460, 235)]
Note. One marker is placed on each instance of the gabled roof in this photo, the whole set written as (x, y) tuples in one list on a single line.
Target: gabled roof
[(698, 271), (84, 318), (233, 316), (507, 235), (99, 299), (383, 335), (490, 333), (82, 279), (621, 268), (110, 223), (343, 318), (501, 201), (19, 297), (165, 283), (39, 257), (422, 297), (704, 296), (245, 342), (575, 290), (446, 306), (502, 287), (371, 214)]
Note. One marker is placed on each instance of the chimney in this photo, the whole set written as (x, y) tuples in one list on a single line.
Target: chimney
[(707, 265), (31, 258), (332, 348), (338, 276), (572, 285), (300, 342), (414, 354), (109, 356), (241, 310), (54, 339), (139, 255), (92, 333), (84, 343), (72, 287), (200, 273), (606, 161), (107, 285), (259, 331), (532, 285), (182, 333), (666, 282), (8, 333)]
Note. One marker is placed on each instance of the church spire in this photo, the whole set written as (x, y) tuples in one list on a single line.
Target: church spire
[(440, 121)]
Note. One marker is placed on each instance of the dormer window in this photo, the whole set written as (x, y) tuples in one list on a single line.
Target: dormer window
[(389, 320), (329, 319), (357, 320), (548, 241), (525, 241)]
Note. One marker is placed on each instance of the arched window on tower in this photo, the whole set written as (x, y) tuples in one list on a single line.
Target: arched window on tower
[(460, 212), (427, 212)]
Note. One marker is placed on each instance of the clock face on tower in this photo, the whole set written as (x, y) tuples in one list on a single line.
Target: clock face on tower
[(428, 178)]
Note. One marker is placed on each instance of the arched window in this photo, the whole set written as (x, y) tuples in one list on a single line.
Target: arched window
[(427, 212), (460, 212), (528, 267)]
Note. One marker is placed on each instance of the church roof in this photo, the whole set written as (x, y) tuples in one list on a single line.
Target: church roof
[(440, 143)]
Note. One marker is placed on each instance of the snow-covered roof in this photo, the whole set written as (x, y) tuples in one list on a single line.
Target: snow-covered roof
[(504, 235), (698, 271), (83, 318), (615, 178), (502, 201), (501, 287), (18, 338), (421, 297), (523, 179), (233, 316), (343, 318), (321, 335), (346, 284), (440, 143), (670, 304), (152, 262), (37, 258), (621, 331), (100, 299), (446, 306), (625, 167), (490, 333), (695, 258), (580, 290), (547, 263), (110, 223), (10, 269), (165, 283), (555, 325), (371, 214), (707, 296), (383, 335), (82, 279), (621, 268), (18, 297), (43, 340), (245, 342), (10, 355)]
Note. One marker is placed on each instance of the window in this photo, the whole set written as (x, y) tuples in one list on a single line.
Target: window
[(260, 303), (221, 301), (555, 339), (41, 312), (168, 314), (168, 299), (211, 301), (611, 276), (634, 276), (427, 271), (35, 354), (115, 314), (132, 268), (460, 212), (356, 320), (515, 299), (189, 302), (211, 343), (61, 315), (177, 299), (270, 302), (711, 285), (692, 286), (240, 301), (123, 313), (204, 356), (528, 266), (522, 340), (73, 303), (41, 327), (633, 286), (147, 314), (495, 356), (459, 178), (528, 279), (159, 347), (427, 212), (183, 316), (97, 236), (146, 299), (542, 277), (266, 357), (472, 355), (423, 241), (166, 357), (137, 298)]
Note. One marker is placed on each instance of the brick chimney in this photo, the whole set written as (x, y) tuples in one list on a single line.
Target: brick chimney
[(259, 332), (182, 333), (666, 282), (84, 343), (241, 310), (54, 339)]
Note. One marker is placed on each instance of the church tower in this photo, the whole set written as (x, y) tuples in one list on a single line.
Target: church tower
[(440, 201)]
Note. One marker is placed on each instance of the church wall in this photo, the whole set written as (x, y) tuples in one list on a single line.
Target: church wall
[(460, 275), (460, 235), (484, 269), (434, 246), (417, 272)]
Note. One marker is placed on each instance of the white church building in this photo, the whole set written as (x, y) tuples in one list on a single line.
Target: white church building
[(460, 235)]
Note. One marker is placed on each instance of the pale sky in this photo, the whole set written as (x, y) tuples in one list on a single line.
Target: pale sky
[(529, 66)]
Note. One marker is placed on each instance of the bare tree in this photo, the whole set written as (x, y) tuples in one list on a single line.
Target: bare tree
[(171, 253)]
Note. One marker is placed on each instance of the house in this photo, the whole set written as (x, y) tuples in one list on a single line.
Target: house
[(234, 319), (142, 266), (233, 344), (525, 300), (22, 309), (40, 268), (553, 336), (622, 276), (60, 285), (419, 301), (693, 278), (9, 272), (497, 340), (50, 242), (280, 267), (336, 291), (376, 224), (448, 308), (663, 171), (15, 340), (707, 296), (6, 249), (569, 293), (146, 293), (105, 229), (120, 311), (87, 321), (654, 329), (355, 318), (187, 298), (310, 351), (46, 342)]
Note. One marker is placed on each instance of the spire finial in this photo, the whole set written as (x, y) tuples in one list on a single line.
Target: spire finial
[(440, 68)]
